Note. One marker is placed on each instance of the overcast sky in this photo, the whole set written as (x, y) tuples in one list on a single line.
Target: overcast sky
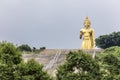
[(55, 23)]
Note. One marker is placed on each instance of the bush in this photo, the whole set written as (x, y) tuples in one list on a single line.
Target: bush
[(9, 54), (13, 68), (109, 61), (42, 48), (9, 58), (24, 47), (79, 66), (31, 71)]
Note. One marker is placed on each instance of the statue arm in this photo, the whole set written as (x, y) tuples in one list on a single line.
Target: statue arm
[(81, 33), (93, 39)]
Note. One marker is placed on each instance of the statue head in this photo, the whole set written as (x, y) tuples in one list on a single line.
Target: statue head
[(87, 22)]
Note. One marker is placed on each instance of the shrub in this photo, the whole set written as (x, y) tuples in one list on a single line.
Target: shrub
[(24, 47), (79, 66)]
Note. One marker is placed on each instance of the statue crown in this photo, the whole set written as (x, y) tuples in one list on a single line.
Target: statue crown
[(86, 17), (87, 20)]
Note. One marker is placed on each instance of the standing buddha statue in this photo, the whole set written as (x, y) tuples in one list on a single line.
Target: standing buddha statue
[(88, 35)]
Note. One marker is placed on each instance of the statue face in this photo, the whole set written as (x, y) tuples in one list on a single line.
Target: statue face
[(86, 24)]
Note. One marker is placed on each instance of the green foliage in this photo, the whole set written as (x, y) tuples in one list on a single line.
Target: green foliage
[(114, 49), (9, 58), (12, 67), (30, 71), (9, 54), (105, 41), (42, 48), (109, 61), (24, 47), (79, 66)]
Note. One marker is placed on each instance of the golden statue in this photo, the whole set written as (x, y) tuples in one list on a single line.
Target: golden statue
[(88, 35)]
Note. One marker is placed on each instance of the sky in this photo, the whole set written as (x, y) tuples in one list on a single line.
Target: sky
[(55, 24)]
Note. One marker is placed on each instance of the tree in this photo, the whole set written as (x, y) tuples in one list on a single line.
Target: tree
[(24, 47), (105, 41), (9, 58), (34, 49), (13, 68), (109, 61), (42, 48), (30, 71), (79, 66)]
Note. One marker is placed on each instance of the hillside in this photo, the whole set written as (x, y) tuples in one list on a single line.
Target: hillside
[(52, 58)]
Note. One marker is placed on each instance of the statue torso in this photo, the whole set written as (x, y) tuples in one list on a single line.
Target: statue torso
[(87, 33)]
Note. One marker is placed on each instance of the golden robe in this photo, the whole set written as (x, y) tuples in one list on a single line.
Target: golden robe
[(88, 38)]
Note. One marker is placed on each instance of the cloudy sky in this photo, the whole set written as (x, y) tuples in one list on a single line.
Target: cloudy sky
[(55, 23)]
